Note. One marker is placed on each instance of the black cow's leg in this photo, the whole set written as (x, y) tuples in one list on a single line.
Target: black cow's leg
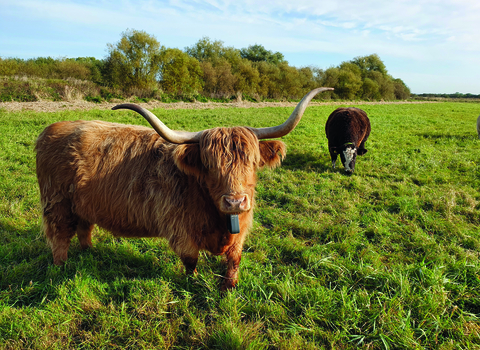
[(334, 156)]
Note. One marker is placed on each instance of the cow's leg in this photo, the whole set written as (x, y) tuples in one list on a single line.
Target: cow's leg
[(234, 255), (59, 224), (333, 156), (188, 253), (84, 233), (190, 263)]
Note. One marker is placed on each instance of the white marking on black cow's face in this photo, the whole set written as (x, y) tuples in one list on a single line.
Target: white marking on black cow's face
[(349, 154)]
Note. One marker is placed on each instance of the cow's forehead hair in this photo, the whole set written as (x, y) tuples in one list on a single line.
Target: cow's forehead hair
[(229, 148)]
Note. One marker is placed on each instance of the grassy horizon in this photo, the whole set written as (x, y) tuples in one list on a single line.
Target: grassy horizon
[(387, 258)]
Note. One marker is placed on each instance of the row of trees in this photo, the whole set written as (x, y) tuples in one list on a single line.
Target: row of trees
[(457, 95), (139, 65)]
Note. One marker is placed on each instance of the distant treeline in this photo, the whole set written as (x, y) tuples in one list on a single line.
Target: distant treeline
[(457, 95), (139, 66)]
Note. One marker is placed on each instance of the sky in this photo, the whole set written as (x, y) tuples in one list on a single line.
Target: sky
[(432, 45)]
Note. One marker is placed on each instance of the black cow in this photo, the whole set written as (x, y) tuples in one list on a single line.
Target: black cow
[(347, 131)]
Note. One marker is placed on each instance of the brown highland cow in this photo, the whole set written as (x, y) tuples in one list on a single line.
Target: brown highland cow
[(138, 182)]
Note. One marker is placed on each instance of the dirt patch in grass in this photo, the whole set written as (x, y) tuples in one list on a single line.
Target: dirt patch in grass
[(51, 106)]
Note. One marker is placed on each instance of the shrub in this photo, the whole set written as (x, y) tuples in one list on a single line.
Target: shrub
[(9, 67), (258, 53), (370, 89), (181, 74), (16, 90), (401, 91), (349, 81), (219, 80), (246, 78), (133, 64), (206, 50)]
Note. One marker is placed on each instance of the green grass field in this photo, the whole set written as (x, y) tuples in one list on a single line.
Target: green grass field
[(387, 258)]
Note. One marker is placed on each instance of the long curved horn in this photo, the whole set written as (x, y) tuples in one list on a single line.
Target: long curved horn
[(164, 131), (292, 121)]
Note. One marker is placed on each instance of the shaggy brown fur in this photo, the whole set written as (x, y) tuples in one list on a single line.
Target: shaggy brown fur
[(130, 181), (347, 130)]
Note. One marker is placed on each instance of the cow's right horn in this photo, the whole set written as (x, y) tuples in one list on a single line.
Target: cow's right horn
[(292, 121), (173, 136)]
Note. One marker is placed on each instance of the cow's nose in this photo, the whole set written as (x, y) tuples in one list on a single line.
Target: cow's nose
[(236, 203)]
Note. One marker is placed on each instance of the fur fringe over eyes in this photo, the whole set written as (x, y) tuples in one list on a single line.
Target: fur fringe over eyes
[(228, 149)]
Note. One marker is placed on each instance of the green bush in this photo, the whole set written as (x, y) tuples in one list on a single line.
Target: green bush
[(16, 90), (218, 79), (181, 74), (95, 99), (109, 95), (133, 64), (258, 53), (362, 78)]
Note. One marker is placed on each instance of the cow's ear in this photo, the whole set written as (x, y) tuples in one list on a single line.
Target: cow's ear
[(187, 159), (271, 153), (361, 151)]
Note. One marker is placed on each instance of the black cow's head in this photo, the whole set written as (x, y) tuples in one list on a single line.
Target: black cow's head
[(348, 154)]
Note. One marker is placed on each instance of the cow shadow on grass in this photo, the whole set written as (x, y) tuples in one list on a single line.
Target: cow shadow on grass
[(28, 276), (298, 160)]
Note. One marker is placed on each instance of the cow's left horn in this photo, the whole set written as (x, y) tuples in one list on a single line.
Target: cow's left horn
[(292, 121), (173, 136)]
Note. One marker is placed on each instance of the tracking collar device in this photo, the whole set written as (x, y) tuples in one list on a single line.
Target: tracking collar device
[(233, 224)]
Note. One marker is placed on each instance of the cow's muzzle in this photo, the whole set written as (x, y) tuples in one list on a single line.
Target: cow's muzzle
[(235, 204)]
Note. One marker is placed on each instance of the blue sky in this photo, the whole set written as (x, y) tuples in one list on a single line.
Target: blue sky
[(432, 45)]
